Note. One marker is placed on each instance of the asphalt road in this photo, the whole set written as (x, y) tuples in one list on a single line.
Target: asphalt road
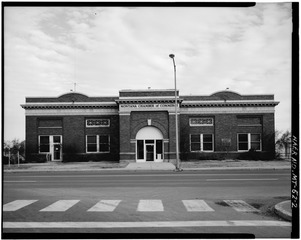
[(146, 202)]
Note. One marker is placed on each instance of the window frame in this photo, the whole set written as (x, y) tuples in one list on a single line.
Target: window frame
[(39, 144), (98, 143), (51, 142), (201, 125), (249, 142), (96, 126), (201, 142)]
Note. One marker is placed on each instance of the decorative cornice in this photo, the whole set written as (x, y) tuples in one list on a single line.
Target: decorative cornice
[(68, 106), (230, 104), (141, 101)]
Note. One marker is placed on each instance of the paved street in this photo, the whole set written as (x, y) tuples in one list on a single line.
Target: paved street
[(228, 201)]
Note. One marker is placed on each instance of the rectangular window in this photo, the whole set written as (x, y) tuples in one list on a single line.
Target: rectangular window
[(104, 143), (159, 146), (140, 149), (57, 139), (202, 121), (91, 143), (207, 142), (98, 143), (243, 143), (44, 144), (255, 142), (247, 141), (97, 122), (195, 142), (201, 142)]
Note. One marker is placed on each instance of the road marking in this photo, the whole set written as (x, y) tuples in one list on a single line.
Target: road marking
[(60, 206), (241, 206), (236, 223), (16, 205), (150, 206), (197, 206), (243, 179), (19, 181), (105, 206)]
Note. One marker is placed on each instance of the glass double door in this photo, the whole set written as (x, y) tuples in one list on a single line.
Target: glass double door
[(149, 150)]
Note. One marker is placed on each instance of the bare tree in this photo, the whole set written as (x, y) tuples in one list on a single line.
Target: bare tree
[(13, 148), (284, 142)]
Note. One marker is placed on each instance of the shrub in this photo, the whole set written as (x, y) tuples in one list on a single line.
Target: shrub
[(252, 154)]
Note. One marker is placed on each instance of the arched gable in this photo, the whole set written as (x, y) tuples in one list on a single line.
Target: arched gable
[(73, 97), (226, 95)]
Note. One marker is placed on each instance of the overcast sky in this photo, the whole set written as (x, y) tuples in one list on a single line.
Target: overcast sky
[(106, 49)]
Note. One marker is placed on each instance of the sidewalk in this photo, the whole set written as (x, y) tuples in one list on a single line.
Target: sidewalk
[(186, 166), (284, 210)]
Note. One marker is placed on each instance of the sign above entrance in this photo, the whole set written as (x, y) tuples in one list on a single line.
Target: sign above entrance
[(147, 106)]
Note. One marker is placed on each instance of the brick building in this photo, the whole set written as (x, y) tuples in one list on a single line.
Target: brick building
[(139, 126)]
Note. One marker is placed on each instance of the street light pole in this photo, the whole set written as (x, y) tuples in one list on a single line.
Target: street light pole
[(172, 56)]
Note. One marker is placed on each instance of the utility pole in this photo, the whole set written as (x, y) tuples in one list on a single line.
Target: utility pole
[(172, 56)]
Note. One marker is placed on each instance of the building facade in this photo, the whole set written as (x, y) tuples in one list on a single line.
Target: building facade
[(139, 126)]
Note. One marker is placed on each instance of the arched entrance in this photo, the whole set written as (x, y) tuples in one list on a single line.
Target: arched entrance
[(149, 145)]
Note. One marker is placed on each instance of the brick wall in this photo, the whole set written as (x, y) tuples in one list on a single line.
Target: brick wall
[(226, 126), (74, 133)]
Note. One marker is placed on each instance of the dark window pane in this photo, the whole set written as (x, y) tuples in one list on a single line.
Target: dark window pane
[(104, 148), (92, 147), (207, 147), (195, 138), (207, 138), (91, 139), (56, 139), (44, 148), (149, 141), (44, 144), (195, 147), (255, 145), (243, 137), (255, 137), (243, 146), (104, 139), (44, 139), (159, 146), (140, 149)]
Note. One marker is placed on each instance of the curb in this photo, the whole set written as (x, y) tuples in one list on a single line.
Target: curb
[(144, 169), (280, 211)]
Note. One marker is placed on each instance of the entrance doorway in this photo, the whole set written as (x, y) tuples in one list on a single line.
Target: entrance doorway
[(56, 152), (149, 145), (149, 152), (51, 146)]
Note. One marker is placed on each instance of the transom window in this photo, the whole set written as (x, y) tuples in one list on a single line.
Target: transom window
[(247, 141), (201, 121), (97, 122), (98, 143), (201, 142)]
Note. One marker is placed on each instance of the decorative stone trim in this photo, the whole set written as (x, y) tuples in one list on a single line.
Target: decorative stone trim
[(70, 106), (230, 104)]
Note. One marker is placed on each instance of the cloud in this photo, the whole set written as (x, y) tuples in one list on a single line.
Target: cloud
[(106, 49)]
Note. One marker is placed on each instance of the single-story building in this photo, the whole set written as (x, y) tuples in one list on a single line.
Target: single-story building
[(139, 126)]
